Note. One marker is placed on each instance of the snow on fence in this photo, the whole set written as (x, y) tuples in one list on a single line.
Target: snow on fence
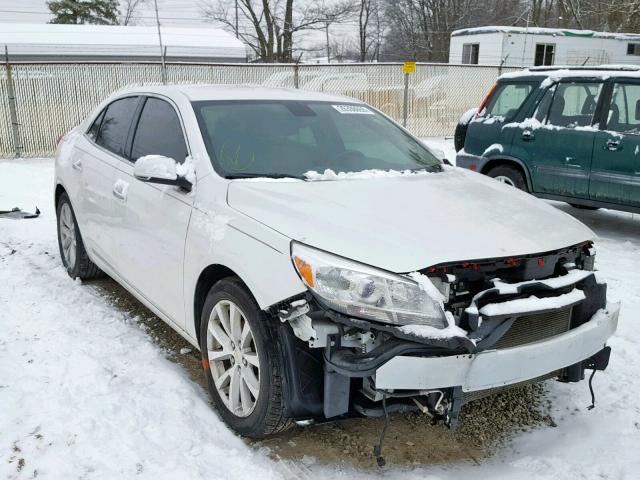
[(51, 98)]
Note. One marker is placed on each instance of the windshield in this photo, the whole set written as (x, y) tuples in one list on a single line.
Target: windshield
[(291, 138)]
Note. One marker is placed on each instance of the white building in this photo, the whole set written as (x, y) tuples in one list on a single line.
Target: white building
[(520, 46), (108, 43)]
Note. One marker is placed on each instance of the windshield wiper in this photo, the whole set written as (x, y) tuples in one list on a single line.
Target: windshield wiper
[(263, 175)]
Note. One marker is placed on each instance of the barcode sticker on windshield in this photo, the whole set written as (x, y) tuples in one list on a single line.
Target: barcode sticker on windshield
[(354, 109)]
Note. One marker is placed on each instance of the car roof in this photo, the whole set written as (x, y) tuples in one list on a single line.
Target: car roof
[(557, 73), (203, 92)]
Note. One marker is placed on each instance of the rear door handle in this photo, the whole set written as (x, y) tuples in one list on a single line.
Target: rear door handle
[(120, 189), (528, 135), (613, 145), (77, 165)]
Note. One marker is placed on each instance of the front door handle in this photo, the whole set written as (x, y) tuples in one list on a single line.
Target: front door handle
[(613, 145), (120, 189), (569, 162), (77, 165), (528, 135)]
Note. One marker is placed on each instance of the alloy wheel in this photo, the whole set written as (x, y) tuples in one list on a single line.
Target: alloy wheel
[(67, 230), (505, 179), (233, 358)]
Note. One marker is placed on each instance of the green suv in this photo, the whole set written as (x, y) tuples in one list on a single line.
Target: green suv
[(563, 134)]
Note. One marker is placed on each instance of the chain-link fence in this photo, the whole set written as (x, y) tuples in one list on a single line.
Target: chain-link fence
[(45, 100)]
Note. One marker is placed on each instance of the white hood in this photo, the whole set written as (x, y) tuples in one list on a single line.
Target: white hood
[(408, 223)]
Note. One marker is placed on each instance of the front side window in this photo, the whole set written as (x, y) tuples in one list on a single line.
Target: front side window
[(470, 53), (544, 54), (624, 111), (507, 100), (290, 138), (542, 109), (159, 132), (574, 104), (115, 125)]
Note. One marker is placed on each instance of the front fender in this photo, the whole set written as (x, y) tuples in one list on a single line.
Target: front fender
[(260, 256)]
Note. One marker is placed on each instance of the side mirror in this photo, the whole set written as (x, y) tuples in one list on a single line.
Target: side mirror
[(159, 169)]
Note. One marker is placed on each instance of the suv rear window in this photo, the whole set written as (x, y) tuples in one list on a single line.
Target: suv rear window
[(507, 99)]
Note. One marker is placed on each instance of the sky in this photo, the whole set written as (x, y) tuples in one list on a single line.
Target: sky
[(172, 13)]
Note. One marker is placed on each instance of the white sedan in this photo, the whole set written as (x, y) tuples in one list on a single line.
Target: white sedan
[(323, 260)]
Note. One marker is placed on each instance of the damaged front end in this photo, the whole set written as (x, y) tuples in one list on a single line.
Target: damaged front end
[(364, 342)]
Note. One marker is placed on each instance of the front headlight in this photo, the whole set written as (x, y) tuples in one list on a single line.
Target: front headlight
[(359, 290)]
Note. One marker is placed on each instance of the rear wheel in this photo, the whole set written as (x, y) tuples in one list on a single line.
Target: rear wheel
[(509, 175), (583, 207), (242, 364), (74, 256)]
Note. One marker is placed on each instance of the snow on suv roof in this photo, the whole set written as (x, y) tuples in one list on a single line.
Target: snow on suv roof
[(556, 73), (201, 92)]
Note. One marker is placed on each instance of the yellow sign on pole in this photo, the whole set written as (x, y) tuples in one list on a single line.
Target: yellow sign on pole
[(409, 67)]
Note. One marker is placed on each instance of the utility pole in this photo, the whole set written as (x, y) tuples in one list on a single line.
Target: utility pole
[(326, 24), (162, 50)]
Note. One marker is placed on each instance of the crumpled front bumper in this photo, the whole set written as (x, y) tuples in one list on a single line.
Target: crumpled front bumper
[(497, 368)]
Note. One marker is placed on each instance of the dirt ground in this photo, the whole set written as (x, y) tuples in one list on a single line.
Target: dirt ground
[(410, 440)]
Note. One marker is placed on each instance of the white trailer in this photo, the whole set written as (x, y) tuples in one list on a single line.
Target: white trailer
[(524, 47)]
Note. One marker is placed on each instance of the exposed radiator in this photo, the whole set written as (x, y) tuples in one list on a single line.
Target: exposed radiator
[(533, 328)]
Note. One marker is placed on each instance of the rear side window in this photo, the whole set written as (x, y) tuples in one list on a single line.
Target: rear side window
[(624, 111), (507, 100), (543, 106), (574, 104), (115, 125), (95, 126), (159, 132)]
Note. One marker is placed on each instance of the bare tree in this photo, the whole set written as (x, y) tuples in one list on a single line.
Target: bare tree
[(370, 26), (128, 9), (268, 26)]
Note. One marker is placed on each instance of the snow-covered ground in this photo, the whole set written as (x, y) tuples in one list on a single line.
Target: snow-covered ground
[(443, 145), (85, 393)]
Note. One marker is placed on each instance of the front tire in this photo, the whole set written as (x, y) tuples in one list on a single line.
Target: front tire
[(74, 256), (509, 175), (242, 362)]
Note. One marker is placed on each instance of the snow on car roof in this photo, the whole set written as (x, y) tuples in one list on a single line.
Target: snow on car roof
[(201, 92)]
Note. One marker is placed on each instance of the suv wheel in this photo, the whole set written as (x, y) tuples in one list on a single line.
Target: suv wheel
[(74, 256), (509, 175), (583, 207), (241, 361)]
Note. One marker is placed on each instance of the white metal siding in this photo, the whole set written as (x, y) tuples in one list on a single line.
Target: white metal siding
[(519, 49), (490, 48)]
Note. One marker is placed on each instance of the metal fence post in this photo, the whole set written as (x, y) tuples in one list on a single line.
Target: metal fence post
[(296, 76), (405, 100), (17, 144)]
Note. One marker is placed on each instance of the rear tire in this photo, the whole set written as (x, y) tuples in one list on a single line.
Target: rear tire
[(243, 366), (74, 256), (509, 175), (583, 207)]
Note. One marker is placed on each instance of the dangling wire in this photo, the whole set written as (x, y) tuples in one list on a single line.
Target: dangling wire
[(593, 396), (377, 450)]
